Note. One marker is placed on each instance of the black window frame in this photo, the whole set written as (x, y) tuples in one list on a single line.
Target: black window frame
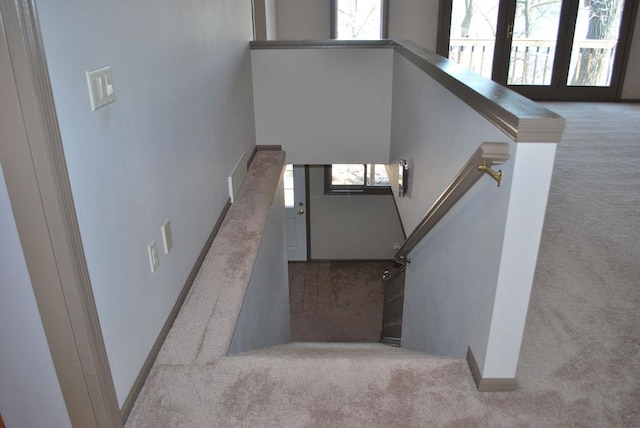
[(344, 189)]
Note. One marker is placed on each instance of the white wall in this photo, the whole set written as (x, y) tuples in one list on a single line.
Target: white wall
[(30, 395), (351, 226), (470, 278), (631, 87), (450, 284), (182, 117), (415, 20), (304, 19), (264, 317), (324, 106)]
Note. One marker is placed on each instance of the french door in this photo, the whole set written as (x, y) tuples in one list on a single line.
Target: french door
[(543, 49)]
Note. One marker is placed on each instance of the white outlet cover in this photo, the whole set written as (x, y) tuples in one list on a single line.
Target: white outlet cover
[(154, 260), (167, 236)]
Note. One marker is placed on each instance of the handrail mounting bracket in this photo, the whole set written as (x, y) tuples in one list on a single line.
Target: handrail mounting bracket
[(486, 168)]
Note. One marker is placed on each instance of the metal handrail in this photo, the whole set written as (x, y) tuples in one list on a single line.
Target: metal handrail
[(480, 163)]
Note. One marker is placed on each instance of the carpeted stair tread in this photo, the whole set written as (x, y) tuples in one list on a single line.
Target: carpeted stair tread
[(318, 350)]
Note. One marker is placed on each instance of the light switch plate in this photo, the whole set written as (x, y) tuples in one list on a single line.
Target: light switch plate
[(101, 90), (167, 236), (154, 260)]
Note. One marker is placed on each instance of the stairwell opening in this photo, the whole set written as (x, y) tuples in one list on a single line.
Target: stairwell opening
[(336, 301)]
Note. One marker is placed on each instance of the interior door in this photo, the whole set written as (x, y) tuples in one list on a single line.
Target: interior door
[(543, 49), (296, 212)]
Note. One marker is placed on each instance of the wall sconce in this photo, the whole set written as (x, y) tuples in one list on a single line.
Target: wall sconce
[(403, 178)]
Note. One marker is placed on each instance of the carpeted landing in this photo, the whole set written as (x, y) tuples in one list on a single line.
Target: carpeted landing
[(336, 301), (307, 384)]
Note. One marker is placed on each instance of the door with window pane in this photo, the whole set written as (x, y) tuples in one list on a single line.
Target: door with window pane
[(544, 49)]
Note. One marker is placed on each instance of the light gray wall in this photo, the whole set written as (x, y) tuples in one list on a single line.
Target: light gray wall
[(30, 395), (415, 20), (324, 106), (183, 115), (264, 317), (351, 226), (450, 284), (304, 19), (470, 278)]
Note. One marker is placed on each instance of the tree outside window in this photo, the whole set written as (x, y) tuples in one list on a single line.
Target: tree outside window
[(358, 19)]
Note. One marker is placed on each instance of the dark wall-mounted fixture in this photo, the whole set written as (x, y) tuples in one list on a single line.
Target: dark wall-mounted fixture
[(403, 178)]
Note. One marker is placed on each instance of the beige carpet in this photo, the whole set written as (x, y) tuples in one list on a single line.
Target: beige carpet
[(336, 301), (580, 361)]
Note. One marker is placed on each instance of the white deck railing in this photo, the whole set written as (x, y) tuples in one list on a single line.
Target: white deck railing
[(531, 60)]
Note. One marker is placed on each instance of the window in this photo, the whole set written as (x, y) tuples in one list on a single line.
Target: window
[(359, 19), (543, 49), (356, 179), (288, 186)]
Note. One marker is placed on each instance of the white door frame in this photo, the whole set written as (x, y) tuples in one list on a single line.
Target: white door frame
[(40, 193), (298, 215)]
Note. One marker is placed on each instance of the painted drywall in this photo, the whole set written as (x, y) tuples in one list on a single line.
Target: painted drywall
[(532, 169), (183, 116), (415, 20), (264, 317), (451, 281), (351, 226), (304, 19), (470, 278), (30, 395), (324, 106), (631, 87)]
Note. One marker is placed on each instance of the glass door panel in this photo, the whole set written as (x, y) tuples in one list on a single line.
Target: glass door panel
[(594, 42), (543, 49), (534, 35), (472, 37)]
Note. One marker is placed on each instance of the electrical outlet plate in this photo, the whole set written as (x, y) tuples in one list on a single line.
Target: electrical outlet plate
[(101, 90), (167, 236), (154, 260)]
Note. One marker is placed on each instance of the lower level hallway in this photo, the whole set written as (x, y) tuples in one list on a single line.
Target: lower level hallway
[(336, 301)]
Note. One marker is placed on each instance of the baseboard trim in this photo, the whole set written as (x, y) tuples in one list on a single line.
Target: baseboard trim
[(253, 155), (127, 406), (488, 384), (277, 148), (346, 260)]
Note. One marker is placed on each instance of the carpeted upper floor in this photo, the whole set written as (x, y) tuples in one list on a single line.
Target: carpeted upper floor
[(580, 358)]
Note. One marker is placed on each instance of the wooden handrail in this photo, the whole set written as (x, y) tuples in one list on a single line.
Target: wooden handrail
[(480, 163)]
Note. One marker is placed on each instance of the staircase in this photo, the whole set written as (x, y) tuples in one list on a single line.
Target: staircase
[(194, 382), (304, 384)]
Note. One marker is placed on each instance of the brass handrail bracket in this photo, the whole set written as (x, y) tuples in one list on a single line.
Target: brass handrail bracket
[(496, 175), (480, 163)]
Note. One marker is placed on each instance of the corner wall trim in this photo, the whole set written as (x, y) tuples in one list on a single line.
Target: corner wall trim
[(35, 170), (127, 406), (488, 384), (259, 148)]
